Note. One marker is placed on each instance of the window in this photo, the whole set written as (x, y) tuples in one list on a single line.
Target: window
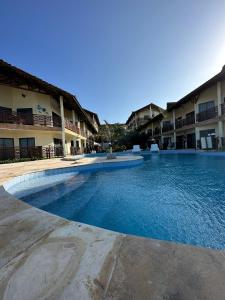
[(166, 123), (27, 142), (205, 106), (6, 142), (6, 148), (190, 115), (27, 146), (57, 142), (26, 115)]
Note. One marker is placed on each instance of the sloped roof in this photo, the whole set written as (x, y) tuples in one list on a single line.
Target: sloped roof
[(92, 113), (142, 108), (13, 76), (199, 89)]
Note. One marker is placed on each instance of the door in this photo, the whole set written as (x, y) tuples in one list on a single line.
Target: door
[(27, 147), (180, 142), (6, 149), (5, 115), (26, 115), (56, 119), (191, 143), (209, 133)]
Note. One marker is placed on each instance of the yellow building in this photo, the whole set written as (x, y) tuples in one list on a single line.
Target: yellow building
[(38, 119), (142, 116), (195, 121)]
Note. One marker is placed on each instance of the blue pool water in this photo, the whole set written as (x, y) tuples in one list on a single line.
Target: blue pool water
[(171, 197)]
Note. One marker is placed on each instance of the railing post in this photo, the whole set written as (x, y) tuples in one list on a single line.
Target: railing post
[(220, 122), (63, 125)]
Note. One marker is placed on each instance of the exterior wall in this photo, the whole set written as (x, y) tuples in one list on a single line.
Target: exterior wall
[(41, 104), (184, 109), (17, 98), (206, 127), (41, 138), (207, 95)]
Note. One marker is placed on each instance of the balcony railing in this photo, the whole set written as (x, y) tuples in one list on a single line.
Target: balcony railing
[(190, 119), (27, 119), (149, 132), (157, 131), (167, 127), (179, 123), (73, 127), (223, 108), (36, 152), (208, 114)]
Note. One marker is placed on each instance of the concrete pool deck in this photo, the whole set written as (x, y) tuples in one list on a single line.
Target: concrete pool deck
[(43, 256)]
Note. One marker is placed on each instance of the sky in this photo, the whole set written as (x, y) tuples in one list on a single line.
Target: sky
[(116, 55)]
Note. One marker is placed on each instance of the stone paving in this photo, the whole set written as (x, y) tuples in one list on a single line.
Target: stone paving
[(43, 256)]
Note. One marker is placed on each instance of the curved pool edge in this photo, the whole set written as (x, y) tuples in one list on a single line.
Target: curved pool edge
[(99, 164), (97, 263)]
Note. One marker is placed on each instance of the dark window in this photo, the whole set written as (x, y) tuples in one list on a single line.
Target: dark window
[(190, 115), (208, 132), (57, 142), (5, 115), (27, 146), (6, 148), (5, 109), (205, 106), (26, 115), (56, 120), (166, 123), (191, 143)]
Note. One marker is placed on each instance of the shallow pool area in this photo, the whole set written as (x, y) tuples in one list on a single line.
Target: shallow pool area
[(173, 197)]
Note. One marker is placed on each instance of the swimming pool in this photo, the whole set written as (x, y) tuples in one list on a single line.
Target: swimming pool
[(173, 197)]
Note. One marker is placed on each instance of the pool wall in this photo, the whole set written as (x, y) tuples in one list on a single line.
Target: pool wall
[(112, 164)]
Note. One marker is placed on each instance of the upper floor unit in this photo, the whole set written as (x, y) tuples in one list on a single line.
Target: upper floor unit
[(142, 116), (202, 107), (27, 102)]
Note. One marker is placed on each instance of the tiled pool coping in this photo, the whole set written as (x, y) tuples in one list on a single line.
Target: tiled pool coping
[(43, 256)]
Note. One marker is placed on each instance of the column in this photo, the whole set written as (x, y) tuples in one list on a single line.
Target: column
[(63, 125), (174, 128), (73, 117), (150, 111), (196, 133), (161, 133), (220, 122)]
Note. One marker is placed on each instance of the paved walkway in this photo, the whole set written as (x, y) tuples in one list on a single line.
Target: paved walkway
[(43, 256)]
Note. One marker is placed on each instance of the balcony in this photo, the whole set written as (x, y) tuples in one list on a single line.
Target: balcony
[(167, 127), (208, 114), (157, 131), (73, 127), (179, 123), (223, 108), (189, 120), (35, 152), (149, 132), (28, 119)]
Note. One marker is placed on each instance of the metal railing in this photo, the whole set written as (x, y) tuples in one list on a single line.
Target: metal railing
[(189, 120), (73, 127), (223, 108), (28, 119), (210, 113), (167, 127), (35, 152), (157, 131)]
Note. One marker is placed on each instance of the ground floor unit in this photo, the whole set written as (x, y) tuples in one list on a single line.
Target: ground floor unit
[(15, 144), (209, 135)]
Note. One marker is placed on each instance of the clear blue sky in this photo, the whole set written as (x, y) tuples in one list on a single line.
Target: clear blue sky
[(116, 55)]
